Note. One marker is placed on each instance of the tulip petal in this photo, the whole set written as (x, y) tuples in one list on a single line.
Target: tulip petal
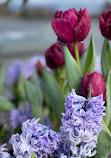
[(54, 56), (104, 24), (59, 14), (94, 81), (82, 29), (71, 16), (63, 29), (104, 28)]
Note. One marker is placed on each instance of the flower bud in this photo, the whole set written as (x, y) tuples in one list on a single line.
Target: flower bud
[(80, 48), (105, 24), (94, 81), (54, 56), (38, 67), (71, 25)]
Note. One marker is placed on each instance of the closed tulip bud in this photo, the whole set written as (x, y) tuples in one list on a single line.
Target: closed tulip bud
[(94, 81), (105, 24), (80, 48), (54, 56), (38, 67), (71, 25)]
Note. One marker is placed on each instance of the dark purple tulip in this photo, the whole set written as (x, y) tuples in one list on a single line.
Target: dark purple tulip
[(80, 48), (105, 24), (71, 25), (96, 82), (54, 56)]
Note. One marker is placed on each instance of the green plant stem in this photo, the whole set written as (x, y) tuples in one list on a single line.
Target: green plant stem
[(60, 75), (77, 54)]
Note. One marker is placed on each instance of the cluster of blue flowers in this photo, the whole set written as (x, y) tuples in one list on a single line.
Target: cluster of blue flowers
[(18, 68), (13, 73), (3, 152), (81, 124), (18, 116), (35, 139)]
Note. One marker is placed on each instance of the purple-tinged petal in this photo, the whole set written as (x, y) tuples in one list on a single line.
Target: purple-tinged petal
[(63, 29)]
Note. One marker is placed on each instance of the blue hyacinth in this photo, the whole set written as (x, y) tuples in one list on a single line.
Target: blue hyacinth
[(35, 138), (81, 124), (18, 116), (3, 152)]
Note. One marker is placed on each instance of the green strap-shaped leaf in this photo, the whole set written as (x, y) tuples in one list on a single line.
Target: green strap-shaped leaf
[(103, 145), (33, 156), (55, 95), (82, 59), (105, 58), (39, 92), (2, 78), (74, 75), (89, 94), (108, 99), (5, 105), (21, 90), (105, 128), (3, 132), (66, 90), (32, 97), (104, 142), (89, 63)]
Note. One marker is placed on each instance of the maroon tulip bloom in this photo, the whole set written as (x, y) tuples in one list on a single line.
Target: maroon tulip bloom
[(96, 82), (80, 48), (38, 67), (71, 25), (105, 24), (54, 56)]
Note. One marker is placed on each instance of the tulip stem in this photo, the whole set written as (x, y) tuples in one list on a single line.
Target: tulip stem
[(77, 54)]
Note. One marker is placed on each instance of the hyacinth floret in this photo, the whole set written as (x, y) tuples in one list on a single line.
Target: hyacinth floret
[(81, 124), (13, 73), (35, 138), (3, 152), (18, 116)]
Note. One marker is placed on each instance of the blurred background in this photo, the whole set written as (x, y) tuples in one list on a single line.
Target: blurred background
[(25, 25)]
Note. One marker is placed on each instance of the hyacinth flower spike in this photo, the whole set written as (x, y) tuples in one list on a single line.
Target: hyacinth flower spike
[(81, 124)]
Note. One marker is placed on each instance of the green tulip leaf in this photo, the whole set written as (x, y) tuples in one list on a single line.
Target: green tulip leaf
[(20, 89), (105, 128), (5, 105), (33, 80), (82, 59), (105, 58), (108, 99), (33, 98), (66, 90), (89, 64), (3, 132), (103, 145), (89, 94), (74, 75), (55, 94), (2, 78)]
